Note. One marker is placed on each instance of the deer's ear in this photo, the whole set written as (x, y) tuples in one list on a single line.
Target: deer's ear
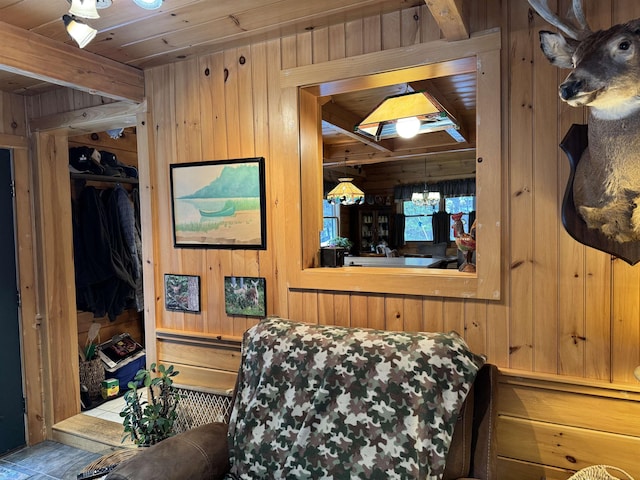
[(558, 50)]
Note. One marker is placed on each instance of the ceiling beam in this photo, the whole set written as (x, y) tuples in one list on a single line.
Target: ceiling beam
[(32, 55), (345, 121), (449, 15)]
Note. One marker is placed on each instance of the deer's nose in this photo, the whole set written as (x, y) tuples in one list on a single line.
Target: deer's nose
[(570, 89)]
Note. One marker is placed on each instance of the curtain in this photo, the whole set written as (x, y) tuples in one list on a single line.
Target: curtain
[(441, 223), (447, 188), (397, 238)]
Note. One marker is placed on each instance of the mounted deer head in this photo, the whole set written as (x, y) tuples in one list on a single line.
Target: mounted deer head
[(605, 76)]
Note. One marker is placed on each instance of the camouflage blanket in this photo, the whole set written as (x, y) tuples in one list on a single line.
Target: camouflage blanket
[(324, 402)]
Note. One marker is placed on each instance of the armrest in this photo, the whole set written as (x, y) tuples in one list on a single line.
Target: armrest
[(485, 445), (195, 454)]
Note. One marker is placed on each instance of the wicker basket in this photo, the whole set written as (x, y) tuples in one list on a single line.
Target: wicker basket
[(92, 375), (599, 472)]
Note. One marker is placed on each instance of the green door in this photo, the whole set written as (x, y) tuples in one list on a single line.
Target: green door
[(12, 421)]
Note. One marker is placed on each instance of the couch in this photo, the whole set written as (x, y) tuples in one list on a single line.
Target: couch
[(333, 402)]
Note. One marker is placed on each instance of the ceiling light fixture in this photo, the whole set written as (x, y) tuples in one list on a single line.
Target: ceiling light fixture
[(346, 193), (84, 9), (148, 4), (83, 33), (79, 31), (407, 114)]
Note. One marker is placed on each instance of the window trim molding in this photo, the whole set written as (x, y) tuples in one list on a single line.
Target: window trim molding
[(481, 53)]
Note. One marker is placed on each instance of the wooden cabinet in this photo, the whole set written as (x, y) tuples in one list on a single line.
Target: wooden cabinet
[(374, 227)]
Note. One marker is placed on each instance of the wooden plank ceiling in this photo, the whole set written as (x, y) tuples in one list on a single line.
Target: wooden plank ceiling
[(131, 39), (182, 28)]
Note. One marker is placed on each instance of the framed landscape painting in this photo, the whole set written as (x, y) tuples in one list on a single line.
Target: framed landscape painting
[(219, 204)]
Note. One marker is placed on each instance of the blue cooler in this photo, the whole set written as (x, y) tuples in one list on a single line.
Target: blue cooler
[(126, 370)]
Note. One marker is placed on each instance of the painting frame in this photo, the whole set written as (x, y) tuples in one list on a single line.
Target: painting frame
[(245, 296), (219, 204), (182, 293)]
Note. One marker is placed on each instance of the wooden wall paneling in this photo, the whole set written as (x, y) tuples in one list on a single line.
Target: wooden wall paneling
[(58, 307), (566, 447), (354, 41), (432, 314), (160, 88), (411, 31), (342, 309), (326, 312), (218, 357), (310, 307), (282, 168), (304, 48), (128, 321), (453, 314), (520, 90), (124, 147), (497, 334), (147, 166), (372, 34), (475, 325), (259, 91), (320, 44), (296, 306), (376, 311), (337, 42), (12, 109), (394, 312), (616, 414), (391, 30), (359, 310), (196, 376), (429, 29), (625, 326), (413, 313), (510, 469), (571, 266), (214, 147), (547, 196), (27, 277)]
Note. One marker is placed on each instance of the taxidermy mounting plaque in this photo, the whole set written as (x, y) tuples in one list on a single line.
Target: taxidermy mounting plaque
[(573, 144)]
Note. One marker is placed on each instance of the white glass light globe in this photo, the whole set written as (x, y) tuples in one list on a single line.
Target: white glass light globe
[(407, 127)]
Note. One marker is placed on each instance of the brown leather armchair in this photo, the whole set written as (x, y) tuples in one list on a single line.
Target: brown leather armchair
[(204, 452)]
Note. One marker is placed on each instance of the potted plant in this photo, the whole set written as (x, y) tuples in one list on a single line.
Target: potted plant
[(146, 422), (332, 255), (340, 242)]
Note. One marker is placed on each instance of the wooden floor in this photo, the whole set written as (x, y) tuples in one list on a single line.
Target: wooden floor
[(45, 461)]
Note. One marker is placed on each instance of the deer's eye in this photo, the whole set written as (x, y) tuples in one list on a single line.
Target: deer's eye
[(624, 45)]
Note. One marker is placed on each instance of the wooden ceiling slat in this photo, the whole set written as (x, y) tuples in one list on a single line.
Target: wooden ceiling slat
[(282, 17)]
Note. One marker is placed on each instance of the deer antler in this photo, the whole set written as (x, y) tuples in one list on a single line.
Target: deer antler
[(542, 8)]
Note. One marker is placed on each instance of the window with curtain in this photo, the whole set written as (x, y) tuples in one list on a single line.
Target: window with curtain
[(458, 195)]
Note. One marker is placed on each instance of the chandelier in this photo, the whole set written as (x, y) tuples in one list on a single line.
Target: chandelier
[(425, 199), (83, 33)]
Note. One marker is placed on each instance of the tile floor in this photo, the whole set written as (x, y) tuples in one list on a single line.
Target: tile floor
[(45, 461), (54, 461), (108, 410)]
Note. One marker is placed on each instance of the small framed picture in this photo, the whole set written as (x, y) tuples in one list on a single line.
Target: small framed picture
[(182, 293), (245, 296)]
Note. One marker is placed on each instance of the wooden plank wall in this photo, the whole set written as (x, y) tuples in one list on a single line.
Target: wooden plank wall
[(568, 314), (567, 310)]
